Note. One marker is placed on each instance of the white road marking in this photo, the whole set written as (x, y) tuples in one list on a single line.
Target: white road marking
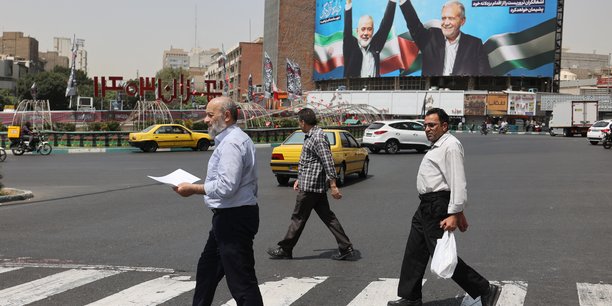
[(285, 291), (51, 285), (4, 269), (378, 292), (11, 264), (594, 294), (153, 292), (513, 294)]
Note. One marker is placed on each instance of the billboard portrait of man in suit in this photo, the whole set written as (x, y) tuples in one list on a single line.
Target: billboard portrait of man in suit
[(446, 50)]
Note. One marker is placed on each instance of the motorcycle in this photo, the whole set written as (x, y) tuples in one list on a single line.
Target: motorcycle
[(2, 154), (484, 130), (20, 146), (607, 140)]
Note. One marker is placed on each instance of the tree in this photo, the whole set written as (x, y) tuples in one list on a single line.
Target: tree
[(51, 86)]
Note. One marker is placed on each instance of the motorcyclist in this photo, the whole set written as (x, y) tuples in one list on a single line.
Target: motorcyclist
[(483, 127), (30, 134)]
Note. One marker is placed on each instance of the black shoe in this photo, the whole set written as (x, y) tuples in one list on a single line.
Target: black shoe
[(405, 302), (279, 253), (490, 298), (342, 255)]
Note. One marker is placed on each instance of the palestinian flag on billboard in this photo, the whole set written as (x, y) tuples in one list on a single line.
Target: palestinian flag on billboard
[(528, 49)]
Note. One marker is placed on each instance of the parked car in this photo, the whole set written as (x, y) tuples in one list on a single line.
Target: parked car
[(349, 156), (596, 132), (394, 135), (169, 136)]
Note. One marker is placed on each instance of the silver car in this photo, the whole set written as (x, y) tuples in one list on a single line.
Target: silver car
[(395, 135)]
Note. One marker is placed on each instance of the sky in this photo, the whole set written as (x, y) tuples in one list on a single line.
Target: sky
[(126, 37)]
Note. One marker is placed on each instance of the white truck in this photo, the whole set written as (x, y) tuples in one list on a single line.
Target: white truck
[(573, 117)]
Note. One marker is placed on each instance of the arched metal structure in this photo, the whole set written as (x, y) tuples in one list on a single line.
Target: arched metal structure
[(255, 116), (36, 112), (147, 113)]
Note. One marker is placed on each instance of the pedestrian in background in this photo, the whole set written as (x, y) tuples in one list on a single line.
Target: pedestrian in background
[(443, 193), (316, 173), (230, 190)]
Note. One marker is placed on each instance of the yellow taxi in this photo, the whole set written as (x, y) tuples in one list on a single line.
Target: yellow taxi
[(169, 136), (349, 156)]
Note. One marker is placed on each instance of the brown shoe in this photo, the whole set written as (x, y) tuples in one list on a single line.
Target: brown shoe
[(279, 253)]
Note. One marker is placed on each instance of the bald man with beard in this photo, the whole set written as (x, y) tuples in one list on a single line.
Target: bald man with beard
[(362, 53)]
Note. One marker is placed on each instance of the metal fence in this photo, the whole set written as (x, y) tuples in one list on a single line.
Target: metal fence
[(120, 139)]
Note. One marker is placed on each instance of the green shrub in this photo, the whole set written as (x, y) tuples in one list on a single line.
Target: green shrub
[(287, 122), (112, 126), (94, 126), (199, 126), (66, 127)]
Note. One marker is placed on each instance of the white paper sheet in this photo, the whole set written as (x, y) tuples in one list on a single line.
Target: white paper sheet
[(176, 177)]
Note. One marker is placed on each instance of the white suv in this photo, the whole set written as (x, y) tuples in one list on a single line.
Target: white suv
[(597, 130), (394, 135)]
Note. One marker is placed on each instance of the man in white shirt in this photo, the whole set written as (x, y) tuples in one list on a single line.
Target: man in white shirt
[(442, 189)]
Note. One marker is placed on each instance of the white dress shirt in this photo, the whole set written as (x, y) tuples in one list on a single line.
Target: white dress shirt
[(442, 170), (450, 54), (368, 69)]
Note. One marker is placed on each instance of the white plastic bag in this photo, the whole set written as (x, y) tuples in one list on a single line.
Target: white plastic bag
[(444, 259)]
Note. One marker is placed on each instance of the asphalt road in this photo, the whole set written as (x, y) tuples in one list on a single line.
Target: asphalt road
[(539, 211)]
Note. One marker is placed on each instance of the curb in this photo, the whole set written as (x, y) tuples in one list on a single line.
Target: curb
[(19, 195), (130, 149)]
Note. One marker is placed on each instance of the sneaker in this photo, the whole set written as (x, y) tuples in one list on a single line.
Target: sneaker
[(343, 255), (279, 253), (490, 298)]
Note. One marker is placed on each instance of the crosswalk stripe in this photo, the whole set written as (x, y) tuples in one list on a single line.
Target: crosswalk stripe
[(513, 294), (3, 269), (51, 285), (594, 294), (153, 292), (285, 291), (378, 292)]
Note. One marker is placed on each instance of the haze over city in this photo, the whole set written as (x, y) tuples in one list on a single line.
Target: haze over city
[(129, 37)]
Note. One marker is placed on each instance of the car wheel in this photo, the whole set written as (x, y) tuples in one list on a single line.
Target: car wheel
[(392, 146), (150, 147), (203, 145), (364, 171), (568, 133), (282, 180), (551, 132), (374, 150), (594, 142), (341, 176)]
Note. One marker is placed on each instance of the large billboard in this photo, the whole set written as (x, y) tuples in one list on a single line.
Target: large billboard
[(383, 38)]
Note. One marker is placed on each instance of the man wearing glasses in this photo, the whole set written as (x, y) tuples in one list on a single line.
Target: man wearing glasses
[(442, 190)]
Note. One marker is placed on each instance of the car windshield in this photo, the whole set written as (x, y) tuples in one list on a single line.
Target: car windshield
[(601, 124), (148, 129), (375, 126), (297, 138)]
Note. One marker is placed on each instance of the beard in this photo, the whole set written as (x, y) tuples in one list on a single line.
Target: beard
[(216, 127), (364, 43)]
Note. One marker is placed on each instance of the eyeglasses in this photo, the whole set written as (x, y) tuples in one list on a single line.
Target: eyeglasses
[(431, 125)]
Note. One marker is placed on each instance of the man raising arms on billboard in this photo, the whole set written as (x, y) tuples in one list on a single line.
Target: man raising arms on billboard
[(447, 51), (362, 54)]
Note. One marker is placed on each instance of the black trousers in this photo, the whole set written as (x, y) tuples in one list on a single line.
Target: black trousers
[(421, 245), (304, 204), (229, 252)]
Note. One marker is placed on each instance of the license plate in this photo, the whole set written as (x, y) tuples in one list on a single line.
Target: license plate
[(293, 168), (368, 134)]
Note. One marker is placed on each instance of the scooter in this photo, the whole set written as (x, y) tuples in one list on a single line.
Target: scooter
[(20, 146), (607, 140)]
